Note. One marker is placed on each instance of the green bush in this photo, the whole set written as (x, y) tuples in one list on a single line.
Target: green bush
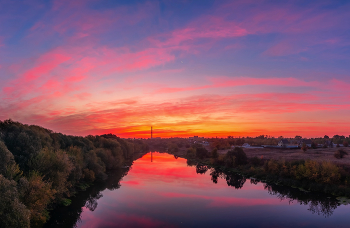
[(304, 147), (191, 153), (201, 152), (273, 167), (66, 202), (214, 153), (255, 161), (36, 194), (236, 157), (340, 153), (329, 173)]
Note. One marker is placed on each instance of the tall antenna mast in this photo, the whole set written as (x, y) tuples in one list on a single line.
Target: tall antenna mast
[(151, 138)]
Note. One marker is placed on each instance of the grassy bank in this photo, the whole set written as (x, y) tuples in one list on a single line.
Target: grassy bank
[(40, 169)]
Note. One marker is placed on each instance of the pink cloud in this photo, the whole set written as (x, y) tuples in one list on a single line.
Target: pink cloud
[(26, 80), (83, 96), (206, 27), (284, 48)]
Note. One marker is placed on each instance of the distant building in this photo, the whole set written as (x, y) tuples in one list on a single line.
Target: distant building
[(283, 143), (196, 138), (307, 142), (204, 143), (245, 145), (329, 144)]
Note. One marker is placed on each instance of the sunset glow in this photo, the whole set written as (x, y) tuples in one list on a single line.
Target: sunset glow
[(208, 68)]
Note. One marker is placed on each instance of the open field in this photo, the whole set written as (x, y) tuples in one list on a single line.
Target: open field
[(320, 154)]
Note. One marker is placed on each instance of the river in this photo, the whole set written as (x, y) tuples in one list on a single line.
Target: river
[(162, 190)]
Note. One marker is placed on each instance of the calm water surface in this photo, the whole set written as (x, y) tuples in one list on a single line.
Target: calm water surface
[(166, 192)]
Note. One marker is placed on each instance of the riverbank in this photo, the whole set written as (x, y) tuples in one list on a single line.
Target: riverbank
[(312, 171), (41, 169), (159, 185), (319, 154)]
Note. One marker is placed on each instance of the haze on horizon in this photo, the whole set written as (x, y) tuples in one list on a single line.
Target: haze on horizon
[(214, 68)]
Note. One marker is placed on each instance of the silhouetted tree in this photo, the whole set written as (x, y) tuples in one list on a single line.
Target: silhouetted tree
[(215, 154), (201, 169), (215, 173), (236, 157), (201, 152), (314, 145), (235, 180), (304, 147)]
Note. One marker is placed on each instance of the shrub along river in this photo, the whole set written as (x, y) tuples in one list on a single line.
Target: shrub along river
[(162, 190)]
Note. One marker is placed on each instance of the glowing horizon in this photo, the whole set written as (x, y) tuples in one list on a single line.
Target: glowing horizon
[(218, 68)]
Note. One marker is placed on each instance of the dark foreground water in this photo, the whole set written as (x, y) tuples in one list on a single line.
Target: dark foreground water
[(167, 192)]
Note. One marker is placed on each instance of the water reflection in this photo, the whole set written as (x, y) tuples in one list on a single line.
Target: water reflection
[(318, 203), (174, 192), (201, 169), (71, 216)]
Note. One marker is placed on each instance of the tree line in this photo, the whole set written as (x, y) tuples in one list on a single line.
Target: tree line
[(318, 203), (311, 175), (40, 169), (235, 169)]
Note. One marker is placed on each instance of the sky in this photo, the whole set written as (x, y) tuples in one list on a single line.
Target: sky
[(207, 68)]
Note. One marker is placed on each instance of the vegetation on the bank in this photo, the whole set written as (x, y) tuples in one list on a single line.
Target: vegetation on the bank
[(340, 153), (40, 168), (318, 203), (305, 174), (174, 145)]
